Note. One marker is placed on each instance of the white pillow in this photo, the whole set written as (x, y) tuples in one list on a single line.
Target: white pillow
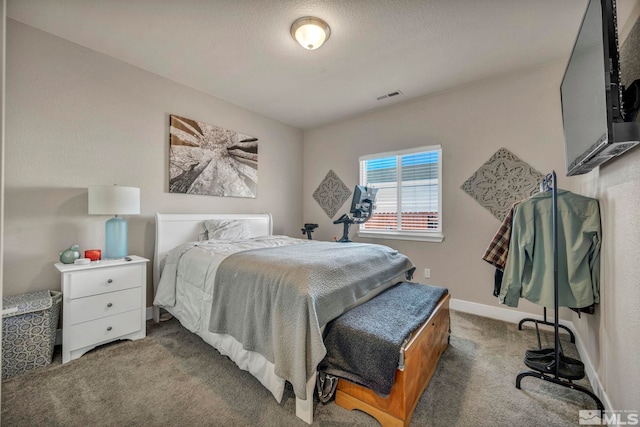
[(226, 229)]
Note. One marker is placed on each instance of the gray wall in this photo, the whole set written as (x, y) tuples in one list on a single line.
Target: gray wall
[(612, 336), (77, 118), (519, 112), (522, 113)]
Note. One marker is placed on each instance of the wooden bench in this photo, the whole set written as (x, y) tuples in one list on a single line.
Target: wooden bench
[(421, 356)]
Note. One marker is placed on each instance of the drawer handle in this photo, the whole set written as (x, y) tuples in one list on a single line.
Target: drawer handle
[(110, 281), (109, 328), (110, 305)]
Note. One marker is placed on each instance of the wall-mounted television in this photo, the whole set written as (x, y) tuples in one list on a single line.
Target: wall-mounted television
[(595, 129)]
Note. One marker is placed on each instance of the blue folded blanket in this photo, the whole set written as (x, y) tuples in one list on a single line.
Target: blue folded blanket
[(363, 344)]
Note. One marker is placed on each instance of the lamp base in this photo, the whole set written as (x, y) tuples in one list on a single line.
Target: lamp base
[(116, 238)]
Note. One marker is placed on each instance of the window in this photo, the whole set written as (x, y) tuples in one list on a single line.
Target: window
[(409, 199)]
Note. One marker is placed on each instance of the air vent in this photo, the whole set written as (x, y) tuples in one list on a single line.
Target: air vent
[(389, 95)]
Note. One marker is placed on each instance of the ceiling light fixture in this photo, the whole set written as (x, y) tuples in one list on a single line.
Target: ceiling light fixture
[(310, 32)]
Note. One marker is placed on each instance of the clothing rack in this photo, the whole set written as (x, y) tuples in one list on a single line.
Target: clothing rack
[(546, 185), (555, 370), (544, 321)]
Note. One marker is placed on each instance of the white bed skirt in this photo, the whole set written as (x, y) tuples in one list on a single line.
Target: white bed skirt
[(250, 361), (194, 313)]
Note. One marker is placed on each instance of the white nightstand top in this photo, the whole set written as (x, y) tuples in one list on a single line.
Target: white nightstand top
[(63, 268)]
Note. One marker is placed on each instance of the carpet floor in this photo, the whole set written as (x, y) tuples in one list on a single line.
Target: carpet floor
[(173, 378)]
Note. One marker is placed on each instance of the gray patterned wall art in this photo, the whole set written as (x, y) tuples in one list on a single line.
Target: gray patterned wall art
[(503, 180), (331, 194)]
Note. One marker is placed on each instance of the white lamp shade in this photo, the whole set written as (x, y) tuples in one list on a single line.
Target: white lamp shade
[(310, 32), (114, 200)]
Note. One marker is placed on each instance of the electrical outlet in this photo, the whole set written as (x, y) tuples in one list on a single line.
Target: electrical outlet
[(427, 273)]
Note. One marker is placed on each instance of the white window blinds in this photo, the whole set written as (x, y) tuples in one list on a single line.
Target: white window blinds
[(409, 191)]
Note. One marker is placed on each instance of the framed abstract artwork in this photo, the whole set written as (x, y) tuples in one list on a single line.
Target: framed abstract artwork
[(209, 160)]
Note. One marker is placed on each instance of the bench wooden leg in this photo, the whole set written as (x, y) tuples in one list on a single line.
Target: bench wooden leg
[(386, 420)]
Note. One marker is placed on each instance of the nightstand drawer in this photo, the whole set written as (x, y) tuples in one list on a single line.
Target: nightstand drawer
[(103, 330), (99, 281), (103, 305)]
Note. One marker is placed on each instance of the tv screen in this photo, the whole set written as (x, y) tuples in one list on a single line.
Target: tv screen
[(583, 90), (595, 129)]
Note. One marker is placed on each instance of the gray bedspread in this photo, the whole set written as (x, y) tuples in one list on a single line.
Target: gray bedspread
[(364, 344), (276, 300)]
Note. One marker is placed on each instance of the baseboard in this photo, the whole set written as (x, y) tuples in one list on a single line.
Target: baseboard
[(499, 313), (514, 316), (594, 379), (149, 313)]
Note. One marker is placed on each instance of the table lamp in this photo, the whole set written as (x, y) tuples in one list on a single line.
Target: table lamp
[(114, 200)]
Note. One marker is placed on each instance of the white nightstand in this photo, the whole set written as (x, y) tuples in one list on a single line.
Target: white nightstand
[(102, 301)]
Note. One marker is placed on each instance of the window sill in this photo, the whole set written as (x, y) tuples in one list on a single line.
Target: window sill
[(407, 235)]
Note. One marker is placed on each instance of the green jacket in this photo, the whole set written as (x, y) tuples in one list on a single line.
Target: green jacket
[(529, 269)]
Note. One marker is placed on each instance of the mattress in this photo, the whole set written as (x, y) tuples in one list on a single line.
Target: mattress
[(190, 300)]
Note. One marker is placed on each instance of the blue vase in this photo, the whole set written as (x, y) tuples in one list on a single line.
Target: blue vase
[(116, 238)]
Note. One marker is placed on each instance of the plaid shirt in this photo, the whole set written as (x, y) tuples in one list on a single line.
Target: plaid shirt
[(498, 249)]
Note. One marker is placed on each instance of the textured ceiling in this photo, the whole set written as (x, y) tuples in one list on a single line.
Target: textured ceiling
[(241, 50)]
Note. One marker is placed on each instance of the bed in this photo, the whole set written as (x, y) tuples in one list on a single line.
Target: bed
[(179, 247)]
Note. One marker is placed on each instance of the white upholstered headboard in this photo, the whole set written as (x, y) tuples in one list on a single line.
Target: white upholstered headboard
[(174, 229)]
